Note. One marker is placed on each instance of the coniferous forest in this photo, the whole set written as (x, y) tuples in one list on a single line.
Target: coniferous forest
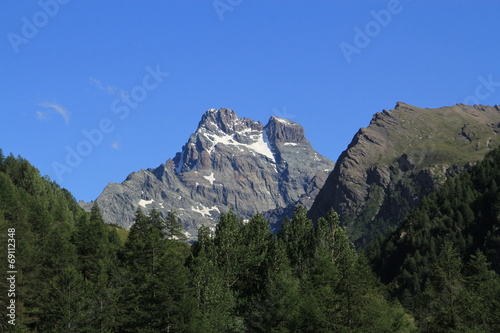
[(438, 272), (443, 261)]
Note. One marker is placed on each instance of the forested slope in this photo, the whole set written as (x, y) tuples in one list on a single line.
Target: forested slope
[(64, 258), (444, 259), (74, 274), (403, 155)]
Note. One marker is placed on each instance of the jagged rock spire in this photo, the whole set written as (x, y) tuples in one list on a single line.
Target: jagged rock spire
[(228, 163)]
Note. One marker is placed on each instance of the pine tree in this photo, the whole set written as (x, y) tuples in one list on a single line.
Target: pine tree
[(280, 309), (256, 238), (216, 302), (342, 293), (65, 304), (483, 288), (92, 239), (155, 297), (2, 161), (444, 298), (173, 227), (98, 262), (298, 235)]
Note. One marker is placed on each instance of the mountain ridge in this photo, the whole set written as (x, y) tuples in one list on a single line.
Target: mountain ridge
[(402, 155), (228, 163)]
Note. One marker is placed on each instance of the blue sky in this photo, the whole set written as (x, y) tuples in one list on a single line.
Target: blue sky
[(328, 65)]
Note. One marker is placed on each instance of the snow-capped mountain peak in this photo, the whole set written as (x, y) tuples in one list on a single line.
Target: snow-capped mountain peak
[(228, 163)]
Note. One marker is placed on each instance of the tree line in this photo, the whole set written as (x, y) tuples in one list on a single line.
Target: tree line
[(443, 261), (438, 272), (76, 275)]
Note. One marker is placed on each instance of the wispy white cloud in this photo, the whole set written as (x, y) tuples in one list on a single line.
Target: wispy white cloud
[(112, 90), (41, 116), (54, 108), (115, 145)]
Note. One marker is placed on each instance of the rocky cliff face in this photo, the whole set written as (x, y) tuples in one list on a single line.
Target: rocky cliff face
[(403, 154), (229, 163)]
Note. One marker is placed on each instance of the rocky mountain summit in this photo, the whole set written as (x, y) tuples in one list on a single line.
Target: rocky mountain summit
[(403, 155), (229, 163)]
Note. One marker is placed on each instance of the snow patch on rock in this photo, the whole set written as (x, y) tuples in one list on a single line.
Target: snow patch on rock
[(260, 143), (210, 178), (143, 202), (205, 211)]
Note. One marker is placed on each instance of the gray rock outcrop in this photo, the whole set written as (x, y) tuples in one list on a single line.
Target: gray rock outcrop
[(229, 163), (403, 155)]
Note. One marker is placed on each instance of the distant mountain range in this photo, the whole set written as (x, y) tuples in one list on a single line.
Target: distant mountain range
[(436, 255), (238, 164), (229, 163)]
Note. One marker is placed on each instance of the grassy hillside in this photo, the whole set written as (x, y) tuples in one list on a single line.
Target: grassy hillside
[(122, 233), (403, 155)]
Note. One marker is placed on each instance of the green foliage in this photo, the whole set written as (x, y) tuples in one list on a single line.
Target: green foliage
[(44, 217), (77, 275), (298, 235), (155, 296), (306, 279), (121, 233), (436, 258)]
